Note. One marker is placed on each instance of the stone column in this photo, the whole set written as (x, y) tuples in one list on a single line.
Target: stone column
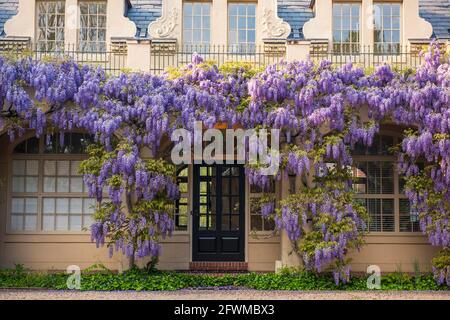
[(288, 257), (219, 22), (138, 56), (366, 26), (71, 24), (297, 50)]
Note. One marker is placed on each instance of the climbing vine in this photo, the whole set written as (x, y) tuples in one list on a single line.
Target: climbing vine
[(322, 112)]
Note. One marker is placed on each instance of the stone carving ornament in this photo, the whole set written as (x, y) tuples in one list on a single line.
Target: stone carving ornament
[(164, 27), (274, 27)]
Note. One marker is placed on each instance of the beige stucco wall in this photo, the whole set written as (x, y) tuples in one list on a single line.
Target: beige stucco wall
[(394, 252), (58, 250)]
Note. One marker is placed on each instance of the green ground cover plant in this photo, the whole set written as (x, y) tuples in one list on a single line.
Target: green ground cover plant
[(141, 280)]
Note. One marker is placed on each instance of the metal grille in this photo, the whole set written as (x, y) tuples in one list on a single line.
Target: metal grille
[(165, 55), (400, 58), (113, 60)]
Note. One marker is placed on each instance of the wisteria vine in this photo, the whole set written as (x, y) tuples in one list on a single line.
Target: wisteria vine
[(322, 112)]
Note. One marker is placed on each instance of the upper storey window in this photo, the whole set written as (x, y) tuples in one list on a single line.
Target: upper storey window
[(242, 26), (346, 27), (387, 28), (196, 23), (50, 28), (92, 35)]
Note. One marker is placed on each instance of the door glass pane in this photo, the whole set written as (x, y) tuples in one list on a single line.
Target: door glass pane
[(225, 186), (235, 205), (212, 222), (225, 222), (234, 223), (202, 221), (235, 186), (226, 205)]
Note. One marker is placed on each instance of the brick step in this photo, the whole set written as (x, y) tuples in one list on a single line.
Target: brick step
[(218, 266)]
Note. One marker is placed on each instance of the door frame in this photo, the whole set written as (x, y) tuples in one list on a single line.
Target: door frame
[(241, 233)]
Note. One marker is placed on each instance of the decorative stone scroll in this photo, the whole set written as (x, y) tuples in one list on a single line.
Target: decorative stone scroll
[(273, 26), (169, 24)]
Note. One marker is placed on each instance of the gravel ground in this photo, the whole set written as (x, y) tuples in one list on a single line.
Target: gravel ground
[(6, 294)]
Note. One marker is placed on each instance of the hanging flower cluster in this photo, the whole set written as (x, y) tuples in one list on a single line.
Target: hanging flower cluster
[(322, 112), (425, 155)]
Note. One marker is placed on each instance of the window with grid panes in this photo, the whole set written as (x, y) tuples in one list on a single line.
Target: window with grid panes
[(346, 27), (242, 27), (47, 192), (92, 35), (196, 24), (257, 222), (387, 27), (378, 187), (181, 212), (50, 25)]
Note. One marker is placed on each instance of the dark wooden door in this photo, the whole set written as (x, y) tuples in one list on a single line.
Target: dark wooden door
[(219, 213)]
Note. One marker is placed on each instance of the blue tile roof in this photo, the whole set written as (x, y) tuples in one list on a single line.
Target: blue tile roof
[(438, 13), (8, 8), (295, 12)]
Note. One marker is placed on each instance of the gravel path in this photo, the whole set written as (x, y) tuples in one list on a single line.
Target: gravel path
[(222, 295)]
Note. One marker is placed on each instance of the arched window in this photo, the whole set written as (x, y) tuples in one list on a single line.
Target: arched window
[(380, 188), (181, 214), (47, 192)]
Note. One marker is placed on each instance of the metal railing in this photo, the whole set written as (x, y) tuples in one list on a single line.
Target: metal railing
[(166, 55), (400, 57), (112, 59)]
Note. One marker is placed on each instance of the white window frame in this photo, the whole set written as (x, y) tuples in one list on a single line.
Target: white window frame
[(193, 29), (256, 195), (388, 46), (41, 157), (354, 46), (396, 196), (183, 195), (238, 46), (46, 42), (100, 45)]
